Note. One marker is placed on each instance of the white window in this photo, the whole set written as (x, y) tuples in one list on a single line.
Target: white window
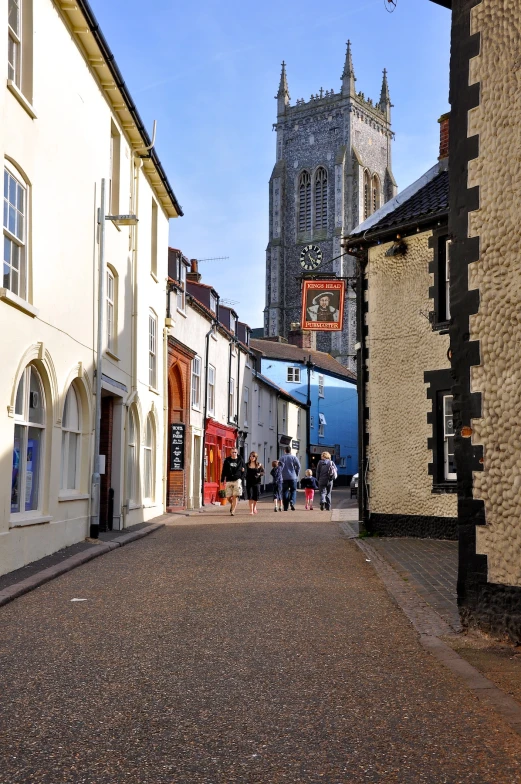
[(181, 293), (213, 303), (284, 415), (259, 407), (449, 465), (110, 298), (211, 390), (15, 256), (14, 42), (321, 386), (321, 430), (321, 199), (271, 412), (231, 398), (153, 240), (246, 400), (28, 450), (71, 441), (152, 350), (132, 458), (322, 419), (149, 455), (342, 463), (115, 157), (293, 375), (196, 382)]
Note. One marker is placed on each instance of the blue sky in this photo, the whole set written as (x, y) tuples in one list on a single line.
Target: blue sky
[(208, 73)]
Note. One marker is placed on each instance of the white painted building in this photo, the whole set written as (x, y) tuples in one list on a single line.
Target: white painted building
[(60, 137)]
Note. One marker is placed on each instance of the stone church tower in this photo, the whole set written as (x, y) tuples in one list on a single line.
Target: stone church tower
[(333, 170)]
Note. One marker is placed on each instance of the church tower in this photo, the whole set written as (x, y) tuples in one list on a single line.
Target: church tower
[(332, 170)]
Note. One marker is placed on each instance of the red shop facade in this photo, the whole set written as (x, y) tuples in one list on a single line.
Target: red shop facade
[(218, 443)]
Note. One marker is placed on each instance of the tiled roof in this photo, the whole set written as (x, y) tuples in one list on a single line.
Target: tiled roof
[(413, 204), (288, 352)]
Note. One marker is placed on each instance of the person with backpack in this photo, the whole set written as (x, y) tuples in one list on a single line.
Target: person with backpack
[(326, 474)]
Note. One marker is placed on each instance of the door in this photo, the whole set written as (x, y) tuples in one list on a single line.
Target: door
[(196, 473)]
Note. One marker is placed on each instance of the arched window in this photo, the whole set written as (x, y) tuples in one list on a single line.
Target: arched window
[(29, 431), (14, 276), (132, 458), (375, 192), (321, 199), (71, 435), (149, 450), (367, 195), (304, 202)]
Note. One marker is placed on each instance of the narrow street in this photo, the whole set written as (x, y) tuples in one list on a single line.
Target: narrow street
[(245, 651)]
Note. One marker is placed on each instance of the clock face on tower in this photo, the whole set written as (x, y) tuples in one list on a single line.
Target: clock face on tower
[(310, 257)]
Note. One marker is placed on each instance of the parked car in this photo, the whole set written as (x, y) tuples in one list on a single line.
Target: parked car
[(354, 485)]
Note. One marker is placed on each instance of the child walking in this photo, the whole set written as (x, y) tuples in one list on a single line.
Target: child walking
[(276, 473), (309, 483)]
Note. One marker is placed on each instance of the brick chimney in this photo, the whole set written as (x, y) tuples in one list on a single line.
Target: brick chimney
[(303, 338), (194, 275), (444, 136)]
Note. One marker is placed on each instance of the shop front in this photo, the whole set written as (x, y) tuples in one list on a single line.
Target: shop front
[(219, 441)]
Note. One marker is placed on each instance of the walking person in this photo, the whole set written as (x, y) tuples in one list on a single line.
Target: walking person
[(326, 474), (254, 472), (276, 473), (309, 485), (290, 471), (232, 474)]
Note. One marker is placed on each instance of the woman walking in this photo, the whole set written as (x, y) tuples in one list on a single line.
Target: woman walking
[(254, 472), (276, 473), (326, 474)]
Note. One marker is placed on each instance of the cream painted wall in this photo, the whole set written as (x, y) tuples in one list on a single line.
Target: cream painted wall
[(402, 345), (62, 156), (497, 275)]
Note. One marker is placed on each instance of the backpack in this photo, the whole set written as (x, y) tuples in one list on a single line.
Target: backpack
[(332, 473)]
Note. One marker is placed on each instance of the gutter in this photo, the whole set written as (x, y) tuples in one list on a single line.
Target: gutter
[(109, 58), (389, 232)]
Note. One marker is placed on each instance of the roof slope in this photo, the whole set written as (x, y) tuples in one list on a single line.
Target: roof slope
[(425, 198), (288, 352)]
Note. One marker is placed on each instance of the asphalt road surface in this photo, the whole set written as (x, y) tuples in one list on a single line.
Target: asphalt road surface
[(262, 651)]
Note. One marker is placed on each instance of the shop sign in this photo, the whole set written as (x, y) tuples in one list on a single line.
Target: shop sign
[(323, 305), (177, 446), (295, 445)]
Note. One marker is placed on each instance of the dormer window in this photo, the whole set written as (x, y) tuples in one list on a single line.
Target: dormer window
[(213, 303), (181, 292)]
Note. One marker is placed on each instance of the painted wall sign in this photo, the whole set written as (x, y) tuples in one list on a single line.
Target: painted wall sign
[(177, 446), (323, 305)]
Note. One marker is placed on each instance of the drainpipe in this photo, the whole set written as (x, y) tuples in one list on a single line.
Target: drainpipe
[(230, 412), (205, 406), (238, 403), (309, 366), (363, 505), (95, 482)]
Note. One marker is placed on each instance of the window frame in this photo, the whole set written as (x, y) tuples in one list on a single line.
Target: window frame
[(304, 203), (231, 399), (149, 465), (211, 390), (320, 211), (15, 238), (246, 402), (15, 39), (152, 349), (154, 220), (321, 385), (293, 374), (439, 292), (65, 447), (23, 420), (133, 459), (284, 416), (110, 304), (195, 385), (440, 386)]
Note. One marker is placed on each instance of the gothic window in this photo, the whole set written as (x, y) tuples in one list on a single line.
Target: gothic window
[(321, 199), (304, 202), (367, 195), (375, 193)]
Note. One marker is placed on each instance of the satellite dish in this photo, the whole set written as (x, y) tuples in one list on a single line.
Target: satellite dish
[(390, 5)]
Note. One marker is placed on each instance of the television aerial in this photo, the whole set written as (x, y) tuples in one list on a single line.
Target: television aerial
[(390, 5)]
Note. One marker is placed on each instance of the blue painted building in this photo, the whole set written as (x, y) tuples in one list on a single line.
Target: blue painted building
[(332, 390)]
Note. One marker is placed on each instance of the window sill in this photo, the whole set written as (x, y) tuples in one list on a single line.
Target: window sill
[(196, 408), (18, 302), (154, 276), (111, 354), (134, 506), (444, 487), (181, 312), (20, 97), (439, 326), (73, 497), (38, 518), (154, 390)]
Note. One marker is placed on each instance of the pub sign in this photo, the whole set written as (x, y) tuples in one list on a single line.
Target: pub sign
[(323, 305), (177, 446)]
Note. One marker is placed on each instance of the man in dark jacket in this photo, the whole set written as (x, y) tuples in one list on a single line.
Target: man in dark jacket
[(232, 474), (290, 473)]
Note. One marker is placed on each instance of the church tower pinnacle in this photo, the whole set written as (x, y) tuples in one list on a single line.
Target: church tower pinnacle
[(385, 100), (348, 76), (283, 97)]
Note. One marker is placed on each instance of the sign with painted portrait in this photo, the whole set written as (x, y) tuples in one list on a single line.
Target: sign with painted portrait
[(323, 305)]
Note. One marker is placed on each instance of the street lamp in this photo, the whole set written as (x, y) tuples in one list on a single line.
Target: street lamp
[(117, 220)]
